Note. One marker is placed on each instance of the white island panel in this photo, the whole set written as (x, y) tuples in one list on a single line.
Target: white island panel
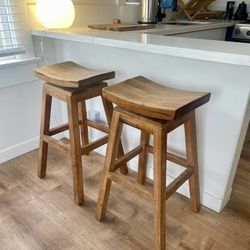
[(221, 68)]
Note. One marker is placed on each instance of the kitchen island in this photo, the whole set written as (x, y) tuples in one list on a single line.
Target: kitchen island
[(161, 40), (185, 63)]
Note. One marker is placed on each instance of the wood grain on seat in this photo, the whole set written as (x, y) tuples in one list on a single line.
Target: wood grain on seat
[(148, 98), (72, 75)]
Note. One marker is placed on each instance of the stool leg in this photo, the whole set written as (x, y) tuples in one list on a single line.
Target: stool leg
[(143, 158), (45, 125), (109, 111), (112, 150), (191, 147), (75, 150), (160, 150), (83, 118)]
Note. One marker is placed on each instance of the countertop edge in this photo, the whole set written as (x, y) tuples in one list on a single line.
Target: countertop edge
[(177, 51)]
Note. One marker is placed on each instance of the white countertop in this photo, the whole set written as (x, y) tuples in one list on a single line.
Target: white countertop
[(154, 41)]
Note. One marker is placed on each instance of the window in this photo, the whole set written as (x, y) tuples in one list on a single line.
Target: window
[(14, 34)]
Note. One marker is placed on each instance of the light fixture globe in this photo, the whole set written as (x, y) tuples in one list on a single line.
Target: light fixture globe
[(56, 14)]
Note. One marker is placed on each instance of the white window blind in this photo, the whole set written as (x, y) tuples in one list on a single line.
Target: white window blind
[(12, 28)]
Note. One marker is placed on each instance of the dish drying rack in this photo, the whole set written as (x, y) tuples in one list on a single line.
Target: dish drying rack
[(196, 9)]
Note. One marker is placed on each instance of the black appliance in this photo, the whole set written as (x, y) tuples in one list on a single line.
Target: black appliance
[(229, 10), (241, 13)]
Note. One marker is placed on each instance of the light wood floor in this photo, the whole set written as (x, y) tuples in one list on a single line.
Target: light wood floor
[(240, 199), (40, 214)]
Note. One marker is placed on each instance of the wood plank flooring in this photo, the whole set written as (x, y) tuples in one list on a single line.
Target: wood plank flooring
[(240, 199), (40, 214)]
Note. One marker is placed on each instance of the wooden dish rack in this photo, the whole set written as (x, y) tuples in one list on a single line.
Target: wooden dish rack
[(196, 9)]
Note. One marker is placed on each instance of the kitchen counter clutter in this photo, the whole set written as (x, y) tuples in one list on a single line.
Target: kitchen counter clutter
[(161, 41)]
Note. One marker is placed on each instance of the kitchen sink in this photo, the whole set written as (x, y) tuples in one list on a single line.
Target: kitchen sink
[(186, 22)]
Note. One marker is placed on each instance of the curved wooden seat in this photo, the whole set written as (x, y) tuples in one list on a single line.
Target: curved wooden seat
[(143, 96), (74, 85), (155, 110), (71, 75)]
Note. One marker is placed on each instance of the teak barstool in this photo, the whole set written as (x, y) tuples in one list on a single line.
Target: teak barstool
[(73, 84), (154, 109)]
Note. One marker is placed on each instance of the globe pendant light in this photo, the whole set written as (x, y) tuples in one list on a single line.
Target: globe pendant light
[(56, 14)]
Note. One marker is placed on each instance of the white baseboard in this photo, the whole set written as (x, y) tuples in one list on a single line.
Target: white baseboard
[(226, 199), (18, 149), (21, 148), (206, 199)]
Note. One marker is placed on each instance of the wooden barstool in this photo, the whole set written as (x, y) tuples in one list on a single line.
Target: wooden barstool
[(73, 84), (154, 109)]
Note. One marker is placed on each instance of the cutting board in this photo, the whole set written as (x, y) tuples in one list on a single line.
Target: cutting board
[(121, 27)]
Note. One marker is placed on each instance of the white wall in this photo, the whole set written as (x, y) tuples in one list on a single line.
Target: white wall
[(20, 108)]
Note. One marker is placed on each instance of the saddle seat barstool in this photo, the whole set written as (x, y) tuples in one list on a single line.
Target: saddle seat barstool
[(73, 84), (155, 110)]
